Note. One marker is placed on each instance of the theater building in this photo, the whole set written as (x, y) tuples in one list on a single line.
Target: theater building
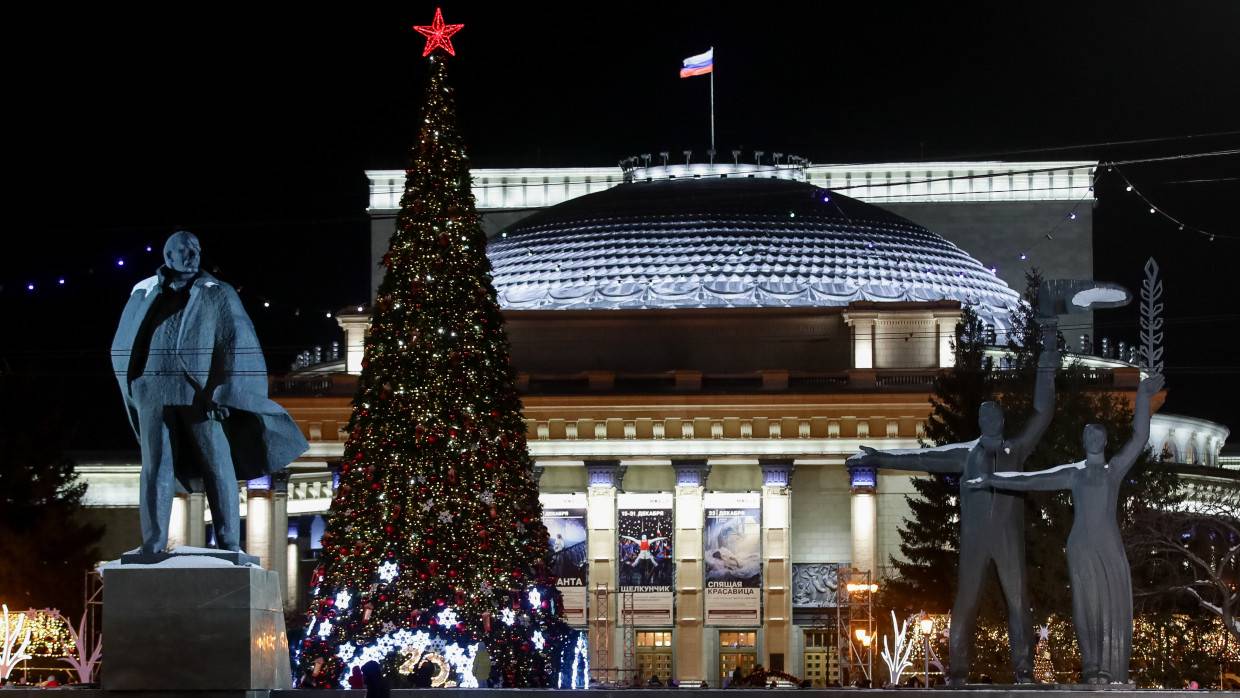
[(699, 350)]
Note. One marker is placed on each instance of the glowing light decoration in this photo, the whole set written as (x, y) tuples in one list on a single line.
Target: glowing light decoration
[(343, 597), (438, 34), (14, 639), (539, 641), (535, 599), (508, 616), (388, 571), (325, 628), (897, 659), (448, 616)]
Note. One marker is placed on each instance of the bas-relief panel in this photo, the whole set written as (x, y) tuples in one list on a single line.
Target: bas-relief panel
[(815, 585)]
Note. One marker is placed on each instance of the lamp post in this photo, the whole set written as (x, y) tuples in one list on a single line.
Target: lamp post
[(866, 639), (926, 625)]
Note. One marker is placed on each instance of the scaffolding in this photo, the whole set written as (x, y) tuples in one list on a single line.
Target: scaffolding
[(854, 617), (603, 669)]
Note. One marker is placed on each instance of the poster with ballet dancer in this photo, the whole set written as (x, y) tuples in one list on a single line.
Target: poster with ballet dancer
[(644, 534), (733, 557), (564, 515)]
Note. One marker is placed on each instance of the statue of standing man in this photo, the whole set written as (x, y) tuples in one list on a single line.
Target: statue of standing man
[(195, 387), (992, 522)]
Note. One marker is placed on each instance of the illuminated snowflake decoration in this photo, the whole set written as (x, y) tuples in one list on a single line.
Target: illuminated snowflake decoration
[(388, 571), (508, 616), (447, 616), (539, 642), (325, 628), (445, 517), (535, 599), (487, 497), (427, 505), (346, 652), (343, 598)]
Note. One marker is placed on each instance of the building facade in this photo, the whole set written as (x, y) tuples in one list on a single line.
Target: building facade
[(698, 355)]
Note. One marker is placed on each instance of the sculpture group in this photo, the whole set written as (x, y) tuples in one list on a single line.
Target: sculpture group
[(992, 512)]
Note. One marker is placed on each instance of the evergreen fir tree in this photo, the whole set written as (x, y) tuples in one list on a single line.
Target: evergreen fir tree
[(45, 545), (929, 541), (435, 542)]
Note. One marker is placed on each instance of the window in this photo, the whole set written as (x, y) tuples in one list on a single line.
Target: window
[(654, 639), (738, 639)]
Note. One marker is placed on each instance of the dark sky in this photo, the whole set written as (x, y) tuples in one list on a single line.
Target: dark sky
[(252, 126)]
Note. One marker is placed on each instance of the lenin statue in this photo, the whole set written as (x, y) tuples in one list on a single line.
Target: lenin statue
[(195, 387)]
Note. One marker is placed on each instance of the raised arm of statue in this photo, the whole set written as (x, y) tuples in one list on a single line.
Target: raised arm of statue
[(939, 459), (1123, 460), (1056, 478), (1043, 391)]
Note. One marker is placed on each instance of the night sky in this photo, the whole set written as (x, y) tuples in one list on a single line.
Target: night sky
[(253, 128)]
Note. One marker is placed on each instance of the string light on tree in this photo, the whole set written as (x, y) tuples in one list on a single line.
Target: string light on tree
[(416, 560)]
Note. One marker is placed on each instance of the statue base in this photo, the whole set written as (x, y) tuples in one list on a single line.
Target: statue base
[(236, 557), (194, 623)]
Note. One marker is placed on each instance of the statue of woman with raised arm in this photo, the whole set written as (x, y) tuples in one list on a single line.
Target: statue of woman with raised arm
[(1097, 564)]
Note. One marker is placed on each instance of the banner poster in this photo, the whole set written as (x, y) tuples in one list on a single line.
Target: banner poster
[(565, 518), (644, 531), (733, 542)]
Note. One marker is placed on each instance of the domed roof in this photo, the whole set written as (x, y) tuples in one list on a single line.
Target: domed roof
[(731, 242)]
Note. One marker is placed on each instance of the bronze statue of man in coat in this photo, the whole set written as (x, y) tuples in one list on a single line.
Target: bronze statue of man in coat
[(195, 387)]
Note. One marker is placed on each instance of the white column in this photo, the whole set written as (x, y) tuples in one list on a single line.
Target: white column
[(196, 529), (277, 538), (178, 522), (863, 338), (292, 585), (603, 478), (354, 326), (946, 329), (776, 562), (864, 532), (690, 652), (258, 520)]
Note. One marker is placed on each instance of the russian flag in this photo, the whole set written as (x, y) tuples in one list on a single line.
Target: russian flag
[(700, 64)]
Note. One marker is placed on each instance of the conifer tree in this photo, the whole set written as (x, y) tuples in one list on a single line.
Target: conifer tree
[(435, 544), (930, 540)]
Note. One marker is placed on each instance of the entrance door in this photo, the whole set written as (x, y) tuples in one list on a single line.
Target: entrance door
[(654, 655), (820, 667), (736, 649)]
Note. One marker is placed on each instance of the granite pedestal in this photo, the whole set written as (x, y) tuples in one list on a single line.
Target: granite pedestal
[(186, 626)]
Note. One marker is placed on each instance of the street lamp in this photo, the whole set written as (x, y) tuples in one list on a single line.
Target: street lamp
[(926, 625), (866, 639)]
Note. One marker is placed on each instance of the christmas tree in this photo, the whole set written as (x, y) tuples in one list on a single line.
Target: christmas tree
[(435, 546), (1043, 669)]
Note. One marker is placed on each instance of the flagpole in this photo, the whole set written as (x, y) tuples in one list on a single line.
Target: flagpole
[(712, 100)]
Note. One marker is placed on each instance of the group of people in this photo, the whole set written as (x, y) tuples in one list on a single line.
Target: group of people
[(22, 681), (992, 527)]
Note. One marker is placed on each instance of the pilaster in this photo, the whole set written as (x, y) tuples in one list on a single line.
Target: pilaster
[(258, 520), (691, 477), (863, 484), (776, 562), (603, 479)]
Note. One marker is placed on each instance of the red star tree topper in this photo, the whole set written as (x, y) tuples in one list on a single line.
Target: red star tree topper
[(438, 34)]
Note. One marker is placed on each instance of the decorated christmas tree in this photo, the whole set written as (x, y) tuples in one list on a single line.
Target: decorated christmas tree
[(1043, 669), (435, 548)]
